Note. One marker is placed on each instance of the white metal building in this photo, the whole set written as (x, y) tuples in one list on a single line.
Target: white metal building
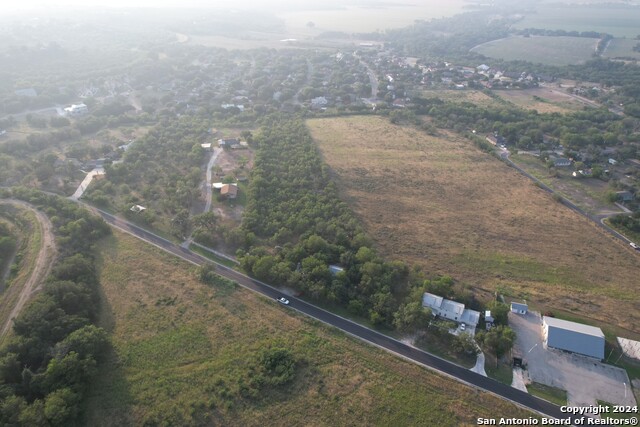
[(573, 337)]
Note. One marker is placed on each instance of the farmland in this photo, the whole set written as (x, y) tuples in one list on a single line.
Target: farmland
[(540, 49), (440, 203), (184, 354), (622, 48), (619, 21)]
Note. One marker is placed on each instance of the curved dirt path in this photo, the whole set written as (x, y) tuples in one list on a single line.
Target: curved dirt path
[(19, 295)]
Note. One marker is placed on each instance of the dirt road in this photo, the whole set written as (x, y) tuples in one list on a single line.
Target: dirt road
[(19, 293)]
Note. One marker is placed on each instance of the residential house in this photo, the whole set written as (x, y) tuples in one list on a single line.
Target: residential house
[(450, 310), (624, 196), (230, 191), (560, 162)]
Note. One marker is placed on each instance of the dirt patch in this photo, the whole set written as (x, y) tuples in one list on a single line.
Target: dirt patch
[(546, 99), (442, 204)]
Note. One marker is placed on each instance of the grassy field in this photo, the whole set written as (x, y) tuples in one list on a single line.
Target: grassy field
[(545, 50), (475, 97), (552, 394), (542, 99), (442, 204), (183, 354), (622, 48), (618, 20)]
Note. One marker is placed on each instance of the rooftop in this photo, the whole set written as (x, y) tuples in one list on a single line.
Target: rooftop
[(573, 326)]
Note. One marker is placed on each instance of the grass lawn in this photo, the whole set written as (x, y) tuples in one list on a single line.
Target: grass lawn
[(442, 204), (502, 373), (185, 353), (552, 394), (540, 49)]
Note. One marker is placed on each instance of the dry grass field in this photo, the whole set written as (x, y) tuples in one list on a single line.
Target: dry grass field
[(544, 100), (183, 352), (440, 203)]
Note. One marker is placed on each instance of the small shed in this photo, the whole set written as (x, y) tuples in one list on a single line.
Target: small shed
[(519, 308), (624, 196), (573, 337), (335, 269)]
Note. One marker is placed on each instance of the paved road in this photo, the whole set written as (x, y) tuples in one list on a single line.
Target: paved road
[(373, 337)]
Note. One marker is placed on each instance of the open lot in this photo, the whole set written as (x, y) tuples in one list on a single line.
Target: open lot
[(585, 379), (547, 99), (442, 204), (185, 354), (545, 50)]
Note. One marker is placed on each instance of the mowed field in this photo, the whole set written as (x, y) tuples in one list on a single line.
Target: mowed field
[(540, 49), (184, 354), (440, 203)]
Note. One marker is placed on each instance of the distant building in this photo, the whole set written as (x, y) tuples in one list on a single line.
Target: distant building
[(624, 196), (319, 102), (137, 208), (573, 337), (450, 310), (230, 191), (560, 162), (227, 142), (519, 308), (613, 162), (76, 110)]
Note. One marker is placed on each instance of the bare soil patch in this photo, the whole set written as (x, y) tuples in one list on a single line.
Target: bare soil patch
[(440, 203)]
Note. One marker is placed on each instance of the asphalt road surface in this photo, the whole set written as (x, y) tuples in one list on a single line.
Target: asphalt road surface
[(373, 337)]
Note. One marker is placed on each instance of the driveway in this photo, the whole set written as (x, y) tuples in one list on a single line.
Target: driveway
[(585, 379)]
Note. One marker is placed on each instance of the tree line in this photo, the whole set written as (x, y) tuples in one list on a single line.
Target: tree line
[(49, 361)]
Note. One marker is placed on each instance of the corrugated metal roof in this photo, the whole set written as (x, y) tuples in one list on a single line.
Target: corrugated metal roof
[(573, 326)]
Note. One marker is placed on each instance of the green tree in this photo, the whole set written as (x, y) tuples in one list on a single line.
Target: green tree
[(499, 312), (498, 340), (412, 317), (62, 407)]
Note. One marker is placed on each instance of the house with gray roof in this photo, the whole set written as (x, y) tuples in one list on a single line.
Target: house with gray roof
[(450, 310)]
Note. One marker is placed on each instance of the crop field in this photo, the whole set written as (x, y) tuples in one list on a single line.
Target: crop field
[(540, 49), (622, 48), (184, 353), (442, 204), (617, 20)]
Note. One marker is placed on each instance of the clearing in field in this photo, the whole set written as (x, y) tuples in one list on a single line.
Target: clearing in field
[(545, 100), (472, 96), (186, 354), (440, 203), (540, 49), (618, 20)]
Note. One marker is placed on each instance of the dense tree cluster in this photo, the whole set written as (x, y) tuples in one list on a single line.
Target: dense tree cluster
[(527, 129), (630, 223), (45, 368), (161, 170)]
